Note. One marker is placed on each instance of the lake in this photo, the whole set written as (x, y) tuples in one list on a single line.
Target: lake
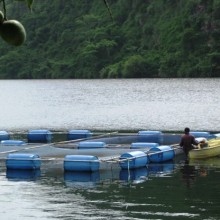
[(173, 190), (124, 104)]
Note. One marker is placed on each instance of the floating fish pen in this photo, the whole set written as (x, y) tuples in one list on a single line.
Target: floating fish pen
[(128, 160), (84, 152)]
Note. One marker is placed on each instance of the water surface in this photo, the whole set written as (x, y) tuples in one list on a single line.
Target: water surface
[(164, 191), (113, 104), (173, 190)]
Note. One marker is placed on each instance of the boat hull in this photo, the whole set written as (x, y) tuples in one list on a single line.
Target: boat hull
[(212, 151)]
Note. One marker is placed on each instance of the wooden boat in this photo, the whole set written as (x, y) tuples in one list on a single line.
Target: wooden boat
[(211, 149)]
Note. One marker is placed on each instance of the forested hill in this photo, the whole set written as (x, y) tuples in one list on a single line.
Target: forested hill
[(79, 39)]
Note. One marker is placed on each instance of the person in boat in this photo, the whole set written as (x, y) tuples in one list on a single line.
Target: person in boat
[(188, 141)]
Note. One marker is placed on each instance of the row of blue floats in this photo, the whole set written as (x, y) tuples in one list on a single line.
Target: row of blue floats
[(152, 151), (129, 160), (46, 136)]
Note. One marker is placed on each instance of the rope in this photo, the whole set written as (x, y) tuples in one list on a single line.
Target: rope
[(129, 174)]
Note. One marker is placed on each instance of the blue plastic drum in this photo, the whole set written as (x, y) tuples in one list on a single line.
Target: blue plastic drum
[(78, 134), (81, 163), (133, 160), (39, 136), (91, 145), (161, 153), (145, 145), (23, 161), (4, 135), (204, 134), (12, 143), (150, 136)]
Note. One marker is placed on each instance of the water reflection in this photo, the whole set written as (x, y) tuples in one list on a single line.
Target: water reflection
[(209, 162), (160, 169), (203, 172), (137, 175), (188, 173), (13, 174), (80, 195), (81, 179)]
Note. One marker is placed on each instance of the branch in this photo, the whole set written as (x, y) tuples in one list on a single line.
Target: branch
[(4, 8), (109, 10)]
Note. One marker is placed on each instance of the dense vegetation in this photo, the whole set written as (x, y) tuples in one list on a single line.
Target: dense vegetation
[(79, 39)]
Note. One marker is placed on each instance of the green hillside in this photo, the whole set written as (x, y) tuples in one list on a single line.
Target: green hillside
[(79, 39)]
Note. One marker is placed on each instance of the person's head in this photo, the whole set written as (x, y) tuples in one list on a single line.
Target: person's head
[(186, 130)]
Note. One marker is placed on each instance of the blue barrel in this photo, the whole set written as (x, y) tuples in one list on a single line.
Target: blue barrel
[(4, 135), (23, 161), (171, 138), (81, 163), (150, 136), (78, 134), (12, 142), (204, 134), (139, 145), (133, 160), (91, 145), (39, 136), (161, 153)]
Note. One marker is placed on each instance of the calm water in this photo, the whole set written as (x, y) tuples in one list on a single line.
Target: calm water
[(163, 191), (161, 104)]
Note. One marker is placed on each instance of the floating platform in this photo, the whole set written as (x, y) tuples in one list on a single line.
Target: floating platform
[(82, 151)]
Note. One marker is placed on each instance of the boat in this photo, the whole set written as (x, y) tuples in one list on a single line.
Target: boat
[(206, 149)]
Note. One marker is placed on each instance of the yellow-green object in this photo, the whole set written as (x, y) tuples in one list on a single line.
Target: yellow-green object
[(13, 32), (212, 150)]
